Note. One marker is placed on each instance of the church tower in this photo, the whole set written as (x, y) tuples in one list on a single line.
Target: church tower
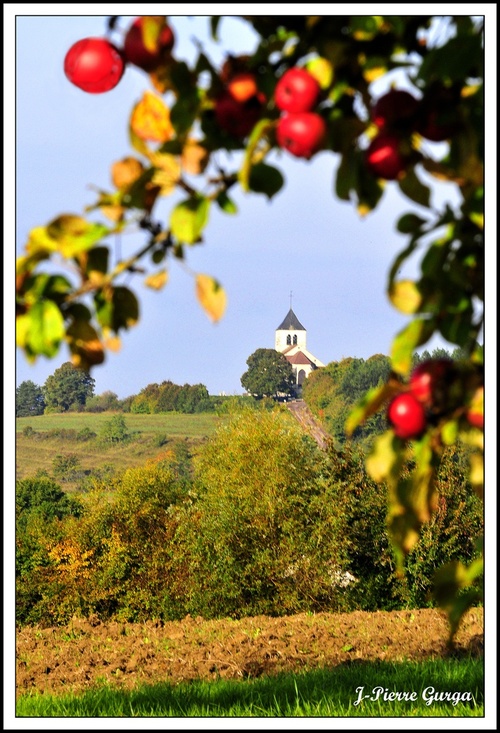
[(290, 333), (290, 340)]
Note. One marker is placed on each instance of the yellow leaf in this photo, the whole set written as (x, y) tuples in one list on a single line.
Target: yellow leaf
[(322, 70), (167, 172), (157, 281), (125, 172), (150, 119), (211, 296), (194, 157), (384, 457), (113, 343), (374, 73), (405, 296)]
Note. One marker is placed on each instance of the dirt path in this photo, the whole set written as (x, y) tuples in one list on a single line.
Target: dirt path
[(85, 652), (302, 413)]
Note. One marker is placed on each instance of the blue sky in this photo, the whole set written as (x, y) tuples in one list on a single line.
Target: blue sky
[(304, 240)]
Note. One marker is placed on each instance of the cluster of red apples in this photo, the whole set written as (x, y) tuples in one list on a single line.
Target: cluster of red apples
[(435, 388), (241, 104), (397, 115), (300, 129), (96, 65)]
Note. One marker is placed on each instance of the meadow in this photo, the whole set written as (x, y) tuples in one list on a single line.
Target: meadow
[(41, 438)]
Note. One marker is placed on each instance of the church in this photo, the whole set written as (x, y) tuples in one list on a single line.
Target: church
[(290, 340)]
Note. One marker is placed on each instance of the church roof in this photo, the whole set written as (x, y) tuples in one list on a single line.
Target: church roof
[(291, 323), (299, 358)]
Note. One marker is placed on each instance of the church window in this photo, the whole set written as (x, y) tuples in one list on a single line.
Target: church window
[(288, 340), (295, 340)]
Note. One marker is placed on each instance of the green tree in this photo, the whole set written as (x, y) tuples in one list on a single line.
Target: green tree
[(29, 399), (261, 536), (67, 387), (332, 393), (268, 374), (106, 402), (114, 430), (180, 129)]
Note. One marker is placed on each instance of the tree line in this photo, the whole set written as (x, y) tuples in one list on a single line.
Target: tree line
[(72, 389), (330, 392)]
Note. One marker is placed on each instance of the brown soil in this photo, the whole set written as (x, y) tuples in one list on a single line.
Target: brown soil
[(86, 652)]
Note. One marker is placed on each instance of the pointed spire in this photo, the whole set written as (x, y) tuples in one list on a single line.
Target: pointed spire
[(291, 323)]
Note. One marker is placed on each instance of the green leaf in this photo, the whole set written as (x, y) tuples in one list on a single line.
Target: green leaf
[(226, 204), (265, 179), (41, 330), (410, 224), (189, 218), (184, 112), (416, 333), (412, 187), (260, 129), (457, 328), (452, 61), (117, 308), (214, 26), (345, 180)]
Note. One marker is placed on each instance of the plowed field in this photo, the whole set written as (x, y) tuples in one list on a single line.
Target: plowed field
[(85, 652)]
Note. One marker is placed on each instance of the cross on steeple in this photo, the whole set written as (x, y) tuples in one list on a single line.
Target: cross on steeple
[(291, 296)]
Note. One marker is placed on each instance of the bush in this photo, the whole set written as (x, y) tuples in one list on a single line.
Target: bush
[(259, 538), (114, 430), (65, 467), (86, 434)]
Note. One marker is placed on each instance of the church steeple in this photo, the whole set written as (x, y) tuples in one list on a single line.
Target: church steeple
[(290, 332), (290, 340)]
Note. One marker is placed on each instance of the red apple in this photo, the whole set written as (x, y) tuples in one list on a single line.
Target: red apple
[(384, 157), (296, 91), (137, 53), (301, 133), (397, 108), (430, 381), (235, 117), (94, 65), (407, 416)]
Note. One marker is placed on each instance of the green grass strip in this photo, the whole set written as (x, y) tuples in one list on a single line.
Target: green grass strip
[(441, 688)]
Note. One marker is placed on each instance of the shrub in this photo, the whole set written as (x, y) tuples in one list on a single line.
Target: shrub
[(114, 430), (259, 538), (65, 467), (86, 434)]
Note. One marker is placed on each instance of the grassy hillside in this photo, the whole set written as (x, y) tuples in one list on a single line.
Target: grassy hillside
[(41, 439), (172, 424)]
